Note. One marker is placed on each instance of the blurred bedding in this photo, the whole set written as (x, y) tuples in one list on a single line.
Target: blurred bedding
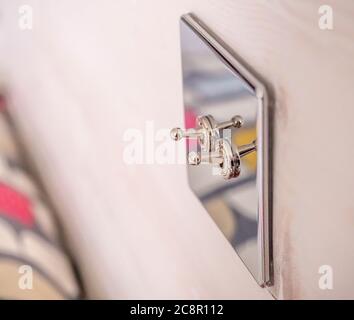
[(33, 263)]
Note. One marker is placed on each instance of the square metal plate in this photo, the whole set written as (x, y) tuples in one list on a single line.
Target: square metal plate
[(215, 82)]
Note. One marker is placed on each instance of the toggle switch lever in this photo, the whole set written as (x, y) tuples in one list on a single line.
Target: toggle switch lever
[(215, 149)]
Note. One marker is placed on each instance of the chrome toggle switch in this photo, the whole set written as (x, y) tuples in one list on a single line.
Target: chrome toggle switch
[(215, 149), (215, 81), (207, 131)]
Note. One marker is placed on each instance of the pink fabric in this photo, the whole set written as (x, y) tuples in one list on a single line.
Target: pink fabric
[(15, 205)]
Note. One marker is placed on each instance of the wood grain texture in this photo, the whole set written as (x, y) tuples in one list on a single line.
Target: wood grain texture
[(90, 70)]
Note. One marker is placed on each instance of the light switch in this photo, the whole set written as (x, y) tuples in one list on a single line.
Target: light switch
[(226, 129)]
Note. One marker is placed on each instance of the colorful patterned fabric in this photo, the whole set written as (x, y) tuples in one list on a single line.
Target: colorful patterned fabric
[(33, 264)]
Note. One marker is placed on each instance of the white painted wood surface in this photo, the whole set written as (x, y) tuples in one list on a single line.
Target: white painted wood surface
[(90, 70)]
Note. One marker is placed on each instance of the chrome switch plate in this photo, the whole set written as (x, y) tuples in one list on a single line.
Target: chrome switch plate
[(216, 83)]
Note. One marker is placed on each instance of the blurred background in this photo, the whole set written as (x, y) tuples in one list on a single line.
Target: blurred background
[(93, 226)]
